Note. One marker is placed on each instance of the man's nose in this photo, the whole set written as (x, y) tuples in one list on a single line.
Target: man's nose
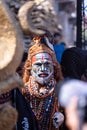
[(42, 67)]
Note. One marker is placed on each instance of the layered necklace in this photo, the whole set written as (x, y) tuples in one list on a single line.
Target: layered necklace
[(41, 100)]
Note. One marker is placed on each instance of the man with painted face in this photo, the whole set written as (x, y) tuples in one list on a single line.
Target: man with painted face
[(41, 74)]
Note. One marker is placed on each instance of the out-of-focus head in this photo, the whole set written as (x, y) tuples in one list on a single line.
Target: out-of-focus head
[(57, 37), (73, 97), (71, 88)]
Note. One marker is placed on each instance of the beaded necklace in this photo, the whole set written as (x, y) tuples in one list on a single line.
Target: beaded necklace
[(42, 105), (42, 108), (39, 91)]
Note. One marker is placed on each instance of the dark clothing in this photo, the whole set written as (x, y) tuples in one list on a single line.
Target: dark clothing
[(74, 62), (26, 118)]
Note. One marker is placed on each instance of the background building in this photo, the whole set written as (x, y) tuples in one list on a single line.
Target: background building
[(66, 14)]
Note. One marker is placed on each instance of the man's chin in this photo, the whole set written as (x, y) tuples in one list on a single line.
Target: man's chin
[(42, 82)]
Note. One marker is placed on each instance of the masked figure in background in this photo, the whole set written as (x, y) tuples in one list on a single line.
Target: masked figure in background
[(41, 74)]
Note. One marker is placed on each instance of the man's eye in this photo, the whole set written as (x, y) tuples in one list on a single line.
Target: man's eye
[(39, 64), (47, 63)]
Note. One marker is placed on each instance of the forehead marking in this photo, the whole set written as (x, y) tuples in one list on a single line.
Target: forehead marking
[(41, 56)]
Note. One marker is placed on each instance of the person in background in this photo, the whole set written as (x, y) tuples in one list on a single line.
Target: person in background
[(59, 45), (73, 98), (74, 63)]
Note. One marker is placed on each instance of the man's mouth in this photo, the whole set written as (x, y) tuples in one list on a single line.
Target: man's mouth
[(43, 75)]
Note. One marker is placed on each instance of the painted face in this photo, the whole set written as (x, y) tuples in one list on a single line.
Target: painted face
[(42, 67)]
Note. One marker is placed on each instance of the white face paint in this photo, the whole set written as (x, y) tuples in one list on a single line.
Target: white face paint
[(42, 67)]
